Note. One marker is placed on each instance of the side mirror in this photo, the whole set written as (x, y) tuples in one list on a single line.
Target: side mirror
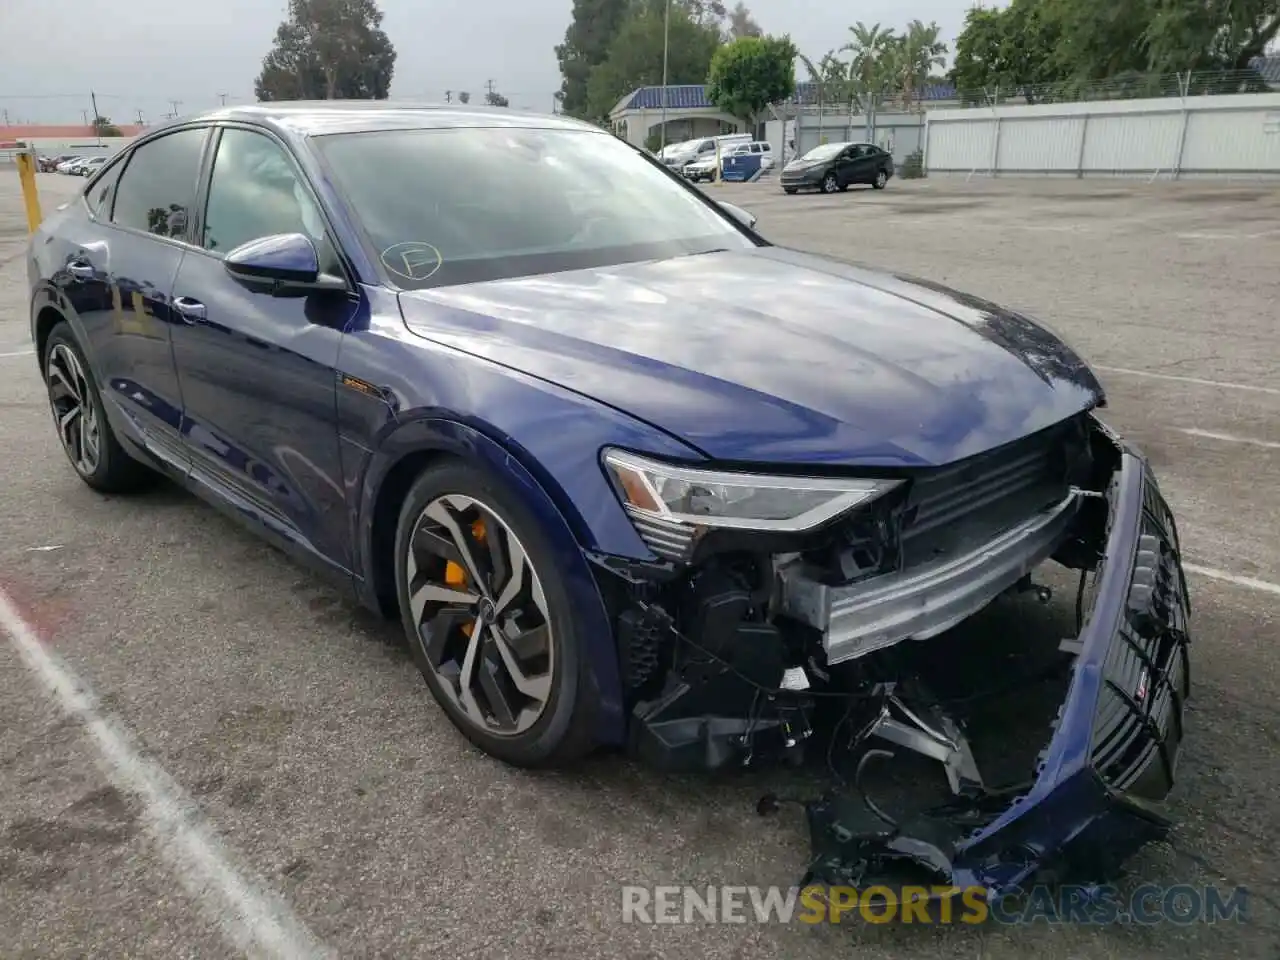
[(748, 219), (284, 265)]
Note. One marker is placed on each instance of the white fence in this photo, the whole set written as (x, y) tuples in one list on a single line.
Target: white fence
[(1236, 135), (902, 134)]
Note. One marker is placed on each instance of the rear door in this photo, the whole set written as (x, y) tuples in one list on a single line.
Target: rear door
[(258, 372), (132, 243)]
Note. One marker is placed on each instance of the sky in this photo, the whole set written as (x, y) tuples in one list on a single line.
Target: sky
[(139, 55)]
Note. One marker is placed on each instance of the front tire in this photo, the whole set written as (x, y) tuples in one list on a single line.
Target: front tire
[(489, 621), (81, 420), (789, 189)]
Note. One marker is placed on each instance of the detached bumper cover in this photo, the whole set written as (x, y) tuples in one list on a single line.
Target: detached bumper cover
[(1113, 753)]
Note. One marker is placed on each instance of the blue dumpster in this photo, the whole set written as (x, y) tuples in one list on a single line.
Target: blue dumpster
[(741, 166)]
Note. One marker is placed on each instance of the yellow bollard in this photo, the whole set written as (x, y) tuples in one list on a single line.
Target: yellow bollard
[(30, 196)]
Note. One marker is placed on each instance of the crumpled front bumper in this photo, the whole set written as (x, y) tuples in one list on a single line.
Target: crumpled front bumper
[(1113, 753)]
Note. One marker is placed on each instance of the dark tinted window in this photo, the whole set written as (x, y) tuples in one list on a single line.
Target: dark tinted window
[(158, 187), (462, 205), (255, 192)]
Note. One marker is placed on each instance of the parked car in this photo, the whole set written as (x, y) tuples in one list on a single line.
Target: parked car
[(837, 166), (50, 164), (628, 474), (66, 165), (87, 168), (701, 148)]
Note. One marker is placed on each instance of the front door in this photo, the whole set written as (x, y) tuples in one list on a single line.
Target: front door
[(257, 371)]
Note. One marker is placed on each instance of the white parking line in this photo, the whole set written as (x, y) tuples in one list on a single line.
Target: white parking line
[(18, 353), (1228, 437), (1252, 583), (254, 921), (1200, 381)]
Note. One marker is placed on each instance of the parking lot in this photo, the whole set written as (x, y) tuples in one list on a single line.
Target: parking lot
[(319, 770)]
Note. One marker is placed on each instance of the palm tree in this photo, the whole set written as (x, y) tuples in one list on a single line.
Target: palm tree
[(872, 54), (918, 51), (831, 76)]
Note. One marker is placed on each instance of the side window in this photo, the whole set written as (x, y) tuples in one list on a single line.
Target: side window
[(158, 186), (707, 147), (765, 148), (255, 192), (99, 194)]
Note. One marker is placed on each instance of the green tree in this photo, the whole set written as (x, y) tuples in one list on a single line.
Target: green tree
[(464, 96), (328, 50), (494, 99), (749, 74), (1040, 48), (593, 27), (917, 52), (103, 127), (635, 56), (1011, 50)]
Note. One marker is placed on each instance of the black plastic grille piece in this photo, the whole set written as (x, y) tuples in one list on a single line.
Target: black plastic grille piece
[(1034, 464), (640, 638), (1146, 677)]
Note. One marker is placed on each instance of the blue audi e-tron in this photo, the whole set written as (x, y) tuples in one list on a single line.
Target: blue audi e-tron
[(629, 474)]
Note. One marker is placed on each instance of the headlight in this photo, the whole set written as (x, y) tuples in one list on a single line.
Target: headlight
[(672, 506)]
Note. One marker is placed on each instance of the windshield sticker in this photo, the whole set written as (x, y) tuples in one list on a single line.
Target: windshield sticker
[(413, 259)]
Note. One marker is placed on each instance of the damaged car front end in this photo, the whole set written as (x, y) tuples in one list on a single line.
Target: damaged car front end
[(777, 611)]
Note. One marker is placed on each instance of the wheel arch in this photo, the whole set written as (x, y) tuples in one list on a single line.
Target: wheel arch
[(46, 314), (418, 445)]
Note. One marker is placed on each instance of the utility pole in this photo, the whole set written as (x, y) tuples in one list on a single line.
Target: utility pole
[(448, 96), (223, 98), (141, 122), (85, 116), (666, 35), (93, 102), (175, 104), (488, 85)]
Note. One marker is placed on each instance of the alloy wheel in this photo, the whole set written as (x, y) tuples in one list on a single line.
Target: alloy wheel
[(74, 411), (480, 614), (881, 179), (829, 185)]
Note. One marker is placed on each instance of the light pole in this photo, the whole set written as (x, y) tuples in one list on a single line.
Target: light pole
[(666, 34)]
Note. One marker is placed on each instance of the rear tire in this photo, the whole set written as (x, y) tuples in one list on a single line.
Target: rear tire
[(881, 181), (81, 419), (489, 621), (830, 184), (789, 189)]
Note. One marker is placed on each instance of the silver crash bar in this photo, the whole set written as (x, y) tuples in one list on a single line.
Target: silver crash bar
[(925, 600)]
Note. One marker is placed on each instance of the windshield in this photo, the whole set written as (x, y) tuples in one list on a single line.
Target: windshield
[(459, 205), (824, 152)]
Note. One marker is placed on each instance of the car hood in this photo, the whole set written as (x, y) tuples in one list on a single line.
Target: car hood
[(775, 356)]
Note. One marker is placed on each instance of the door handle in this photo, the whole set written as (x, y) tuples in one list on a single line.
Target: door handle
[(81, 270), (191, 311)]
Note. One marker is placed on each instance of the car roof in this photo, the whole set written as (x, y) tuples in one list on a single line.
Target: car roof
[(318, 117)]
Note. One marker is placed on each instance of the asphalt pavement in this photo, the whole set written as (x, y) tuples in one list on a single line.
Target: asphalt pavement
[(205, 752)]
